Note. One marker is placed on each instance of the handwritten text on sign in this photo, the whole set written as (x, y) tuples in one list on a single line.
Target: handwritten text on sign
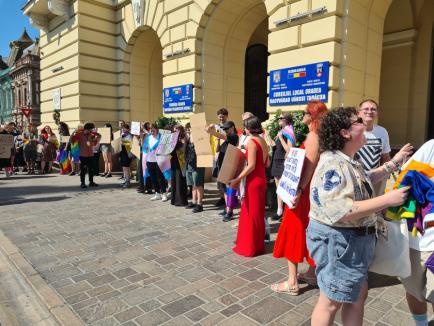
[(287, 189)]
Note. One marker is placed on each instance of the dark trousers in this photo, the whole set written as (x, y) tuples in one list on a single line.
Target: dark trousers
[(157, 177), (86, 165), (95, 163), (140, 172)]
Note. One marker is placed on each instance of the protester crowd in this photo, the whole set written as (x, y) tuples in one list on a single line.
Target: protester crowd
[(336, 212)]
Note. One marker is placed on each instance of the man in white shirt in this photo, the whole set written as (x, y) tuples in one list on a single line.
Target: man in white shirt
[(420, 285)]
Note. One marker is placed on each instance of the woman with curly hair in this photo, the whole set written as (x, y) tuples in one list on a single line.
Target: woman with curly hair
[(343, 216), (291, 237)]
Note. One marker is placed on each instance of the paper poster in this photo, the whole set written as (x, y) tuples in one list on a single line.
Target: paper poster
[(201, 140), (290, 179), (233, 164), (135, 147), (167, 143), (63, 139), (117, 134), (6, 143), (117, 145), (135, 128), (105, 133)]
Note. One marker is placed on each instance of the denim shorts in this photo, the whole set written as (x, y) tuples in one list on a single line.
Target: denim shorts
[(342, 259)]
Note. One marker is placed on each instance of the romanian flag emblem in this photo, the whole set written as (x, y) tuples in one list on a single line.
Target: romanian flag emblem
[(177, 91), (299, 74)]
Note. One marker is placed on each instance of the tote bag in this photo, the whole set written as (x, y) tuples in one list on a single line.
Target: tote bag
[(392, 256)]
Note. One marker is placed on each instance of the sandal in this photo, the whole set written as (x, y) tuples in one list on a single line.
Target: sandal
[(291, 291), (307, 279)]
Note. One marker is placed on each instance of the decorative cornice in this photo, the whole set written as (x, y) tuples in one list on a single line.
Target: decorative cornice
[(59, 7), (398, 39), (39, 21)]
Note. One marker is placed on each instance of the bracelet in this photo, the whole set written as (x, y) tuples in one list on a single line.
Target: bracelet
[(387, 168), (398, 166)]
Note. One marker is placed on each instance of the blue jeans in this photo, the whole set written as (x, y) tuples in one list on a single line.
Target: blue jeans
[(342, 259)]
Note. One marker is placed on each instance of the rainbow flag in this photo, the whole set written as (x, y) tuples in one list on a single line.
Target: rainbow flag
[(75, 151), (64, 161), (288, 133)]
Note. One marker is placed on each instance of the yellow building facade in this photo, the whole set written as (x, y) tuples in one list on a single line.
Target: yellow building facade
[(111, 59)]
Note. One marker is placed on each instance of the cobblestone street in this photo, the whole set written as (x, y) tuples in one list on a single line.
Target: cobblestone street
[(113, 257)]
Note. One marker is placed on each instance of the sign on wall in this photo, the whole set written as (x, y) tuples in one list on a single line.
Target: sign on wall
[(57, 99), (299, 85), (178, 99)]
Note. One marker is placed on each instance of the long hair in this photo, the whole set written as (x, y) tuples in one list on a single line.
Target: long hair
[(317, 110)]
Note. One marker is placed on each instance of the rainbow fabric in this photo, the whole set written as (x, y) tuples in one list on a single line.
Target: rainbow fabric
[(163, 161), (288, 133), (64, 161), (75, 151)]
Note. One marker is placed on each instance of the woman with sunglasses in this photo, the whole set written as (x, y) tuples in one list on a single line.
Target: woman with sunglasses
[(291, 237), (343, 215)]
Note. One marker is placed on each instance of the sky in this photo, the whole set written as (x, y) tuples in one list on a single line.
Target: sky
[(12, 23)]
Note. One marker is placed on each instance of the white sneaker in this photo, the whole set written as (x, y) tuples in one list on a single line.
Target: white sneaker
[(164, 198), (157, 196)]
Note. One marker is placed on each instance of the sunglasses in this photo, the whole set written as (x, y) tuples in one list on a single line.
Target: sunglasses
[(359, 121), (281, 118)]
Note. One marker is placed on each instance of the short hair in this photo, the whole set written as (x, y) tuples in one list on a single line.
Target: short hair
[(317, 110), (187, 125), (154, 125), (370, 100), (146, 125), (330, 138), (247, 115), (288, 118), (223, 111), (253, 124), (108, 125), (126, 126), (89, 126)]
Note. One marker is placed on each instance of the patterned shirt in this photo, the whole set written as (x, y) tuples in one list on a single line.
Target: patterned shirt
[(338, 181)]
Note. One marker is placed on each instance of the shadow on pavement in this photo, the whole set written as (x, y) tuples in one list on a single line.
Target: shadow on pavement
[(378, 281), (15, 201)]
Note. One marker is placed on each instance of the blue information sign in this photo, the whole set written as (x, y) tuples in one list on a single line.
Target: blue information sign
[(178, 99), (299, 85)]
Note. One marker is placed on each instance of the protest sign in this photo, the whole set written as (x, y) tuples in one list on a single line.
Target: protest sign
[(201, 140), (135, 147), (288, 184), (6, 143), (105, 133), (135, 128), (233, 164), (167, 143), (117, 142)]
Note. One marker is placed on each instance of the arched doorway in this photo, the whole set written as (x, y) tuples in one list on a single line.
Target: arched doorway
[(255, 82), (234, 39), (406, 91), (146, 76)]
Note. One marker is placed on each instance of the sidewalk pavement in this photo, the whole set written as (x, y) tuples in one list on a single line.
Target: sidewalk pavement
[(113, 257)]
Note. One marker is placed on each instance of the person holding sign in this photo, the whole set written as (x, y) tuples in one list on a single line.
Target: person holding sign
[(30, 143), (178, 184), (341, 236), (251, 227), (125, 156), (49, 141), (291, 237), (86, 140), (107, 151), (284, 141)]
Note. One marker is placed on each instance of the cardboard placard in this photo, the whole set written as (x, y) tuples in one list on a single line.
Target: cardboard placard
[(167, 143), (288, 184), (6, 143), (105, 133), (202, 140), (135, 128), (135, 147), (63, 139), (117, 145), (233, 164)]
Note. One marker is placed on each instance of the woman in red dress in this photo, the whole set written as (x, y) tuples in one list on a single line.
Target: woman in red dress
[(291, 237), (251, 227)]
